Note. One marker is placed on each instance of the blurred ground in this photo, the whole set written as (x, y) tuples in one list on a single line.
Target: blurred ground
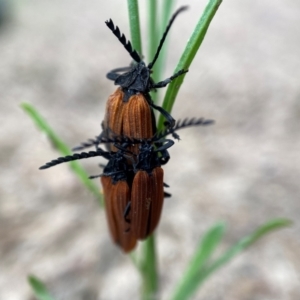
[(244, 170)]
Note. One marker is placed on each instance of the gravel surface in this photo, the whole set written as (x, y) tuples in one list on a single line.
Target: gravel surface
[(244, 170)]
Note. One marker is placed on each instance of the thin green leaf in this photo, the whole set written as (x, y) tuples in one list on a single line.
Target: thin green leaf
[(167, 6), (202, 254), (153, 38), (148, 268), (188, 55), (39, 288), (209, 268), (160, 28), (134, 22), (62, 148), (152, 28), (247, 241)]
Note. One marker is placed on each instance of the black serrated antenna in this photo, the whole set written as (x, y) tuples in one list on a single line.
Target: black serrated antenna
[(76, 156), (181, 9), (87, 144), (121, 37), (180, 124)]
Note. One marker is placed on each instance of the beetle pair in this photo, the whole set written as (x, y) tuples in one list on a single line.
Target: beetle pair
[(133, 193), (132, 180), (129, 112)]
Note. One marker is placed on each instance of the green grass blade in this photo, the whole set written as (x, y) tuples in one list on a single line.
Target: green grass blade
[(167, 6), (209, 268), (152, 29), (158, 30), (247, 241), (39, 289), (202, 254), (62, 148), (134, 22), (188, 55)]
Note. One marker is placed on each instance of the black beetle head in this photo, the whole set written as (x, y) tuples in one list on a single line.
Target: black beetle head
[(137, 79)]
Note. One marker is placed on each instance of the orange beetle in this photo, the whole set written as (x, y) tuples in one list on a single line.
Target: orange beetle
[(129, 109)]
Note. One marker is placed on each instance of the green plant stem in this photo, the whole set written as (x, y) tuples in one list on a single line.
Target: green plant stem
[(149, 270), (188, 55), (152, 38), (167, 6), (147, 266), (152, 29), (134, 22), (160, 28), (62, 148)]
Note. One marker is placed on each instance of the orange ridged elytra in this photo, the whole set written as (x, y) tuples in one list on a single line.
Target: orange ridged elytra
[(147, 196), (157, 205), (114, 111), (106, 189), (132, 118), (138, 122), (113, 118), (116, 197)]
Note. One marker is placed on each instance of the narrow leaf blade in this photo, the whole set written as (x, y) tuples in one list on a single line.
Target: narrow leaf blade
[(202, 254), (39, 288), (62, 148), (249, 240), (188, 55), (134, 22), (208, 269)]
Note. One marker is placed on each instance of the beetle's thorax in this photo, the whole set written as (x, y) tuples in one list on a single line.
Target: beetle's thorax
[(137, 80), (147, 158), (116, 167)]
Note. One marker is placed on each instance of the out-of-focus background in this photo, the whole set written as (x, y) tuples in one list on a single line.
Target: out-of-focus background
[(244, 170)]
